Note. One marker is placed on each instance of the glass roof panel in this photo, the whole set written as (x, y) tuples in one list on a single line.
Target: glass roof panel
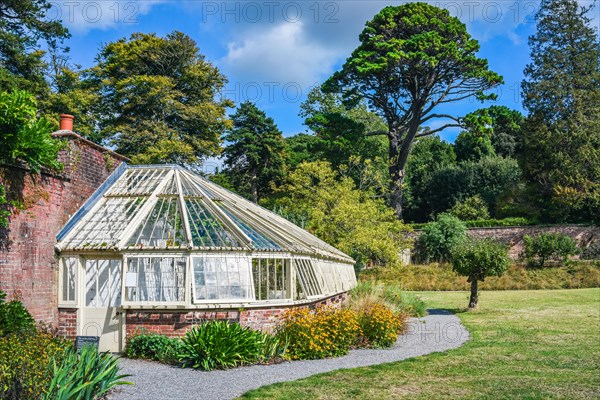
[(138, 181), (170, 187), (259, 240), (105, 226), (163, 227), (189, 188), (206, 229)]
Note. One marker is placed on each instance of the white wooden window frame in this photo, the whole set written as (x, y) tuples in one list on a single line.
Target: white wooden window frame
[(76, 289), (251, 297), (185, 287)]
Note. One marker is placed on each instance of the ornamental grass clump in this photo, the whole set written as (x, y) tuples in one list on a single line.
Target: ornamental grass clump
[(223, 344), (319, 333), (86, 375)]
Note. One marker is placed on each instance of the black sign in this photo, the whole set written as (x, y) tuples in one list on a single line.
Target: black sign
[(82, 341)]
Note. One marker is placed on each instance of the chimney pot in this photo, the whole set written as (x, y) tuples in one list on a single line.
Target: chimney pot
[(66, 122)]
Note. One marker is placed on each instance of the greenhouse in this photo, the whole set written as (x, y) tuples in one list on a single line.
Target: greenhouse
[(161, 237)]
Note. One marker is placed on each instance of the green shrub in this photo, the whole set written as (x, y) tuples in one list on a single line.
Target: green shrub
[(548, 247), (478, 259), (222, 344), (84, 376), (151, 346), (592, 252), (319, 333), (517, 221), (24, 363), (473, 208), (14, 317), (439, 237)]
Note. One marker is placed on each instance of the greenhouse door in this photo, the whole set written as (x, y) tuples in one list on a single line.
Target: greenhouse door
[(101, 315)]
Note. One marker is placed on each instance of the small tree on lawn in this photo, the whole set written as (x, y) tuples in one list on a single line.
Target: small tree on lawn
[(478, 259)]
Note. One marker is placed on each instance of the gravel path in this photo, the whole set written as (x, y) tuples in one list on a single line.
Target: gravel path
[(439, 331)]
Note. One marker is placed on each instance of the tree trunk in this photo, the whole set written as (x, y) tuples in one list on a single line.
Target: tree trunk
[(396, 175), (400, 144), (474, 294)]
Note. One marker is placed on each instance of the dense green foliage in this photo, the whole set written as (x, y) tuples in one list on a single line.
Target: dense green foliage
[(24, 28), (23, 136), (223, 344), (412, 58), (561, 91), (158, 99), (25, 363), (152, 346), (548, 247), (429, 155), (255, 156), (472, 209), (4, 213), (477, 259), (340, 131), (84, 375), (14, 317), (333, 209), (438, 238), (489, 178)]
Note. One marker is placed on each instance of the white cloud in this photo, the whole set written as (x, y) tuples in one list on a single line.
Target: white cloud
[(82, 16), (281, 54)]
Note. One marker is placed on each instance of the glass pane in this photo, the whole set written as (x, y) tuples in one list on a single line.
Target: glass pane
[(206, 229), (91, 274), (221, 278), (105, 225), (259, 240), (163, 227), (71, 271), (158, 279)]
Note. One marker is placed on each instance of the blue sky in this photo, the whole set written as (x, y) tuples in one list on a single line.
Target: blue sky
[(272, 52)]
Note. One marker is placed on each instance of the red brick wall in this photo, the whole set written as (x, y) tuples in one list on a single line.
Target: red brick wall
[(67, 322), (27, 258), (513, 235), (176, 323)]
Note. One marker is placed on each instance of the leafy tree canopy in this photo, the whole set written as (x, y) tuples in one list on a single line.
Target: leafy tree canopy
[(23, 136), (489, 178), (561, 140), (158, 99), (340, 131), (24, 27), (478, 259), (255, 156), (343, 216), (472, 209), (429, 154), (411, 59)]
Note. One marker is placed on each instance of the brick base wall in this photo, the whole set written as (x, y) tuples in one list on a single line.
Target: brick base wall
[(67, 322), (176, 323)]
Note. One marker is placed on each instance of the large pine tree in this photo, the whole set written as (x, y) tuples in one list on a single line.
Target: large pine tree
[(561, 139), (255, 156)]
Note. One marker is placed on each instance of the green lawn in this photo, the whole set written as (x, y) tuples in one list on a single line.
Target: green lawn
[(525, 344)]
